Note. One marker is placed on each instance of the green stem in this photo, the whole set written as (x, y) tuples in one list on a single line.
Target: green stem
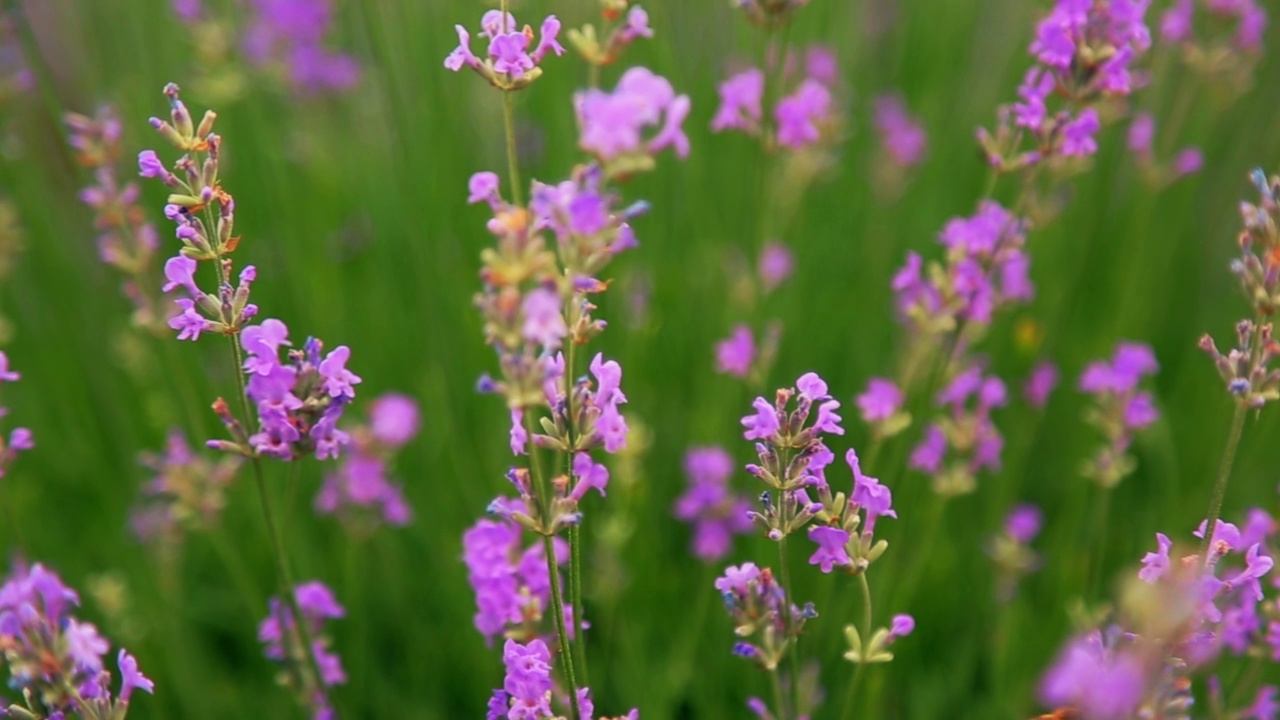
[(283, 574), (557, 607), (1100, 519), (779, 707), (542, 486), (1224, 473), (793, 654), (851, 696), (513, 162), (575, 532)]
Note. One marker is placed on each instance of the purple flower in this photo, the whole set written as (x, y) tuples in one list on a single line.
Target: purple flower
[(831, 551), (901, 626), (1264, 707), (1156, 564), (150, 166), (1188, 161), (735, 354), (394, 419), (740, 102), (188, 323), (613, 123), (869, 494), (716, 513), (1042, 381), (927, 456), (881, 401), (1140, 411), (1141, 134), (361, 484), (590, 475), (1022, 524), (763, 424), (738, 578), (281, 641), (1175, 23), (338, 381), (776, 264), (902, 137), (484, 187), (528, 680), (1078, 135), (131, 678), (6, 374), (543, 319), (292, 33), (519, 436), (635, 26), (1104, 684), (799, 115)]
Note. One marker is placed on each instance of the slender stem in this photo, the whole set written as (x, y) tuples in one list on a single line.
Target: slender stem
[(852, 695), (793, 654), (575, 531), (557, 607), (593, 75), (1224, 472), (513, 162), (1100, 520), (542, 486), (779, 706), (283, 575)]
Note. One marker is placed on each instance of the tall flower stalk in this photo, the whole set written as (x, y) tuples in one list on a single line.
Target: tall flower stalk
[(297, 402)]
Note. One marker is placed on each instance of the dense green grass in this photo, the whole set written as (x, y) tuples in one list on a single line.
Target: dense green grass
[(353, 208)]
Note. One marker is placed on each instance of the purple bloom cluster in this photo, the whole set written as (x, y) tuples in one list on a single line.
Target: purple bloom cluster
[(359, 490), (126, 241), (736, 354), (1085, 50), (802, 118), (614, 123), (1180, 619), (509, 62), (903, 138), (20, 438), (847, 539), (881, 407), (607, 46), (1186, 161), (56, 661), (1010, 551), (716, 513), (1120, 408), (792, 454), (510, 579), (187, 492), (1177, 23), (985, 269), (964, 440), (291, 34), (1041, 383), (527, 688), (299, 401), (1246, 369), (765, 620), (282, 642)]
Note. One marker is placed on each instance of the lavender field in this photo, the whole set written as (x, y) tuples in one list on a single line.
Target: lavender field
[(580, 359)]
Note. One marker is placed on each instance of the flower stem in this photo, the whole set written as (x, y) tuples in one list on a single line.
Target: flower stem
[(513, 162), (851, 696), (1224, 472), (283, 576), (575, 533), (776, 684), (793, 654), (557, 607), (542, 486)]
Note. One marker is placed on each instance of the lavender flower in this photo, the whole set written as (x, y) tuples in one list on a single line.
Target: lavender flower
[(903, 139), (187, 492), (1120, 409), (766, 623), (784, 434), (846, 539), (1177, 23), (881, 408), (510, 580), (776, 264), (290, 34), (717, 514), (1041, 383), (802, 118), (1246, 369), (965, 432), (1086, 51), (360, 490), (1105, 682), (614, 124), (282, 642), (127, 241), (20, 438), (299, 401), (736, 354), (55, 660), (1011, 551), (620, 31), (1185, 162), (509, 64)]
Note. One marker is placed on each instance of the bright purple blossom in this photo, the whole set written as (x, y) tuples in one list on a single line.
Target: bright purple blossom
[(716, 513), (291, 34), (776, 264), (736, 353), (613, 124), (881, 401), (510, 579), (1156, 564), (282, 640), (831, 551), (1022, 524), (801, 114), (1078, 135), (902, 137), (1103, 683), (740, 102)]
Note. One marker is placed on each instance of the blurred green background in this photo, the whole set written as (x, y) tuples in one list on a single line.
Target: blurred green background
[(353, 208)]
